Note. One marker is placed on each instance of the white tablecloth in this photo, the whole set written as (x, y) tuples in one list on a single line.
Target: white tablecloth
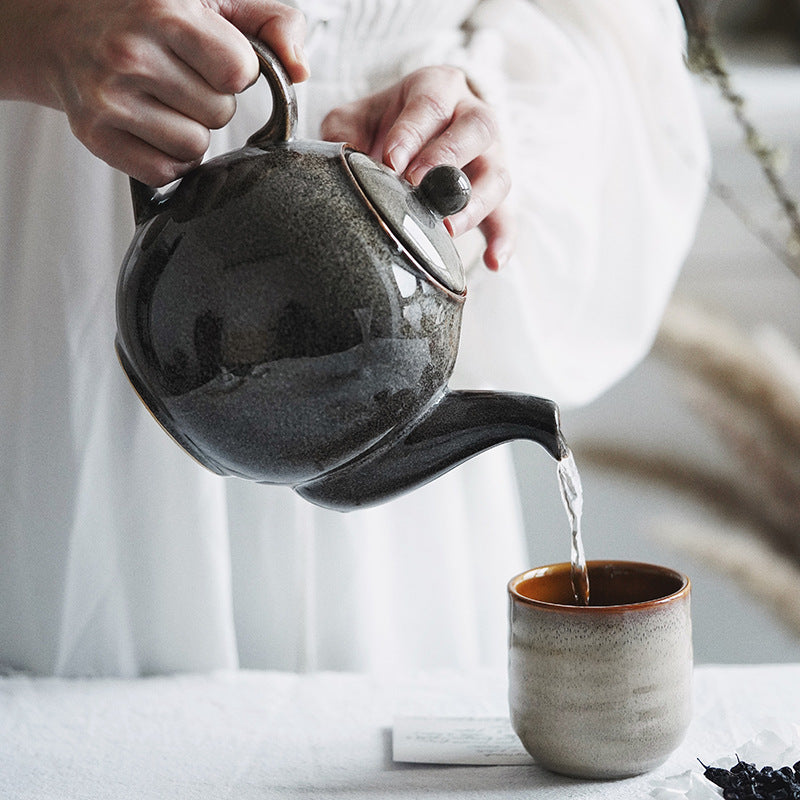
[(263, 735)]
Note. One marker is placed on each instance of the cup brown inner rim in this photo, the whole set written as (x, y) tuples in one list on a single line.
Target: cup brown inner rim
[(682, 590)]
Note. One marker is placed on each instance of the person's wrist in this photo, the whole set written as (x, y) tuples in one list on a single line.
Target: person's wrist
[(24, 67)]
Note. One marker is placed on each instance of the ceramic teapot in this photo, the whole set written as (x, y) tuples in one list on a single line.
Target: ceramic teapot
[(290, 314)]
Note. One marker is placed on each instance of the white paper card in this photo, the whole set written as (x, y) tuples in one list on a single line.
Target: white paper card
[(486, 741)]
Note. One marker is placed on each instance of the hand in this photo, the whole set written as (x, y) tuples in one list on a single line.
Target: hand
[(432, 117), (143, 82)]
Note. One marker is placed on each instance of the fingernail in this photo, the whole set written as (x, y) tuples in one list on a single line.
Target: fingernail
[(502, 256), (398, 158)]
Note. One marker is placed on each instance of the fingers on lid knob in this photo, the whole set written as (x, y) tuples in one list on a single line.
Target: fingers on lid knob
[(445, 190)]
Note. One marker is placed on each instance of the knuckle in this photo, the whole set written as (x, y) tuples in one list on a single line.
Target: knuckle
[(503, 178), (123, 54), (481, 118), (234, 76), (418, 91), (234, 69), (452, 75), (221, 113), (92, 120), (149, 9), (447, 151), (294, 18), (435, 106), (195, 143), (410, 133), (478, 208), (173, 19), (160, 172), (286, 17), (284, 26)]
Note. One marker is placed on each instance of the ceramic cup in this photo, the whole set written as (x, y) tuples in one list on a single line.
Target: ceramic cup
[(604, 690)]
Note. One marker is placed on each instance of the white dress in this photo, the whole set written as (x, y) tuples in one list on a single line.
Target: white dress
[(119, 555)]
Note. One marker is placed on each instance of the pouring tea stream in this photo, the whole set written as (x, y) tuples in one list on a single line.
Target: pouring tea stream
[(290, 314)]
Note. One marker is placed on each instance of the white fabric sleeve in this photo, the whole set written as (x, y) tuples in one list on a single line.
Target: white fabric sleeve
[(609, 161)]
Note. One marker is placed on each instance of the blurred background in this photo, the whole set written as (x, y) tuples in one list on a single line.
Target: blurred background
[(694, 460)]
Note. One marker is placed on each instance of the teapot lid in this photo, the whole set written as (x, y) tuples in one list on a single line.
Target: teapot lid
[(414, 215)]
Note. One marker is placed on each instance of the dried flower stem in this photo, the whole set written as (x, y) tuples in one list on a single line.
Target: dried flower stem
[(769, 579), (705, 58), (725, 494), (768, 472), (752, 401), (772, 241), (721, 356)]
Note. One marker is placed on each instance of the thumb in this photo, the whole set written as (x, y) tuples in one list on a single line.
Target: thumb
[(281, 27)]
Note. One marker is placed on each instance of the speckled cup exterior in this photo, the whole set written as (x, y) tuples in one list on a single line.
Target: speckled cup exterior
[(600, 691)]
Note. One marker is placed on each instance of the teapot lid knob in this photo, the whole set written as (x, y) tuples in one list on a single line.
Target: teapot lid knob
[(445, 190), (414, 215)]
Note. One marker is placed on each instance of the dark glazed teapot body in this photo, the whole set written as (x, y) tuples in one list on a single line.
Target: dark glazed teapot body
[(290, 314), (262, 309)]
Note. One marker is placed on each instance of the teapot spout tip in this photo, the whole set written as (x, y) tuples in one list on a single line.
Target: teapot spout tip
[(546, 430), (561, 449)]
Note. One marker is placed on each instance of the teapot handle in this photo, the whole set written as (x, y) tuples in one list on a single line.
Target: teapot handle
[(282, 122), (280, 126)]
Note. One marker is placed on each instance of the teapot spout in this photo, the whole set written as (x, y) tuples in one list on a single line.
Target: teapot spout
[(460, 425)]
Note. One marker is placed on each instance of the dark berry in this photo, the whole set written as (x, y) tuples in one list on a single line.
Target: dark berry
[(717, 775), (745, 781)]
